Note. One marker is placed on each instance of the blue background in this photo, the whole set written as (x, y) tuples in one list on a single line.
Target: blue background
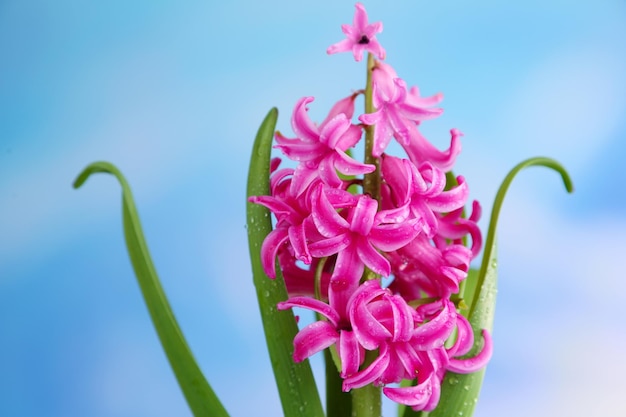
[(173, 91)]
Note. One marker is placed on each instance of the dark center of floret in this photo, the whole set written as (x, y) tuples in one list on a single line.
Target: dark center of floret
[(364, 40), (344, 325)]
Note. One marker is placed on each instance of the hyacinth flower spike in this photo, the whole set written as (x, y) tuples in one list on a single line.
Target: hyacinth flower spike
[(338, 226)]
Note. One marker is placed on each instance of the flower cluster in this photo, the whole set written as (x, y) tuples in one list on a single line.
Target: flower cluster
[(342, 224)]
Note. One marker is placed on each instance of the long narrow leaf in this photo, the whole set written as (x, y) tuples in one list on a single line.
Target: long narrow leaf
[(296, 385), (200, 397)]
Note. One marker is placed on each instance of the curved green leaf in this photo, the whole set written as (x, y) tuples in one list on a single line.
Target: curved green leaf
[(296, 386), (459, 392), (497, 205), (200, 397)]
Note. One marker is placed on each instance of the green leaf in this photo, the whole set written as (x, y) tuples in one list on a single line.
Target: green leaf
[(200, 397), (497, 205), (296, 386), (459, 393)]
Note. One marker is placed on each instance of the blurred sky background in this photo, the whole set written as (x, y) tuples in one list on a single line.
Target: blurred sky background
[(172, 92)]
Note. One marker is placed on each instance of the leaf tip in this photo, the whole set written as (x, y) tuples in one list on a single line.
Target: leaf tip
[(100, 166)]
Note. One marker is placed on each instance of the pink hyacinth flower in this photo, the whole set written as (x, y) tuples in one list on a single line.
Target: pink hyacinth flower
[(403, 336), (335, 329), (419, 149), (360, 37), (436, 271), (422, 188), (321, 150), (293, 219), (396, 113), (355, 239)]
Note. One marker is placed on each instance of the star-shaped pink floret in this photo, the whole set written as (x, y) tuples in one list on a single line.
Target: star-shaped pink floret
[(397, 112), (321, 149), (360, 36), (334, 329), (356, 238), (402, 335)]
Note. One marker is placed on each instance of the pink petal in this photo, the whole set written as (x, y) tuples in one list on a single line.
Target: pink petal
[(391, 237), (409, 359), (359, 21), (421, 150), (402, 318), (373, 259), (302, 126), (434, 333), (415, 396), (368, 330), (371, 119), (350, 352), (357, 51), (311, 304), (348, 266), (327, 220), (362, 216), (464, 338), (348, 166), (269, 249), (297, 149), (371, 30), (382, 136), (396, 173), (303, 177), (344, 106), (349, 31), (275, 205), (297, 237), (343, 45), (330, 246), (383, 77), (434, 396), (469, 365), (349, 138), (450, 200), (416, 100), (395, 215), (313, 338), (334, 129), (340, 290), (327, 172), (369, 374)]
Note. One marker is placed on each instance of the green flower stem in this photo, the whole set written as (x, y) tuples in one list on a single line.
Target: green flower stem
[(200, 397), (318, 278), (371, 182), (338, 403), (296, 386), (367, 401), (495, 212)]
